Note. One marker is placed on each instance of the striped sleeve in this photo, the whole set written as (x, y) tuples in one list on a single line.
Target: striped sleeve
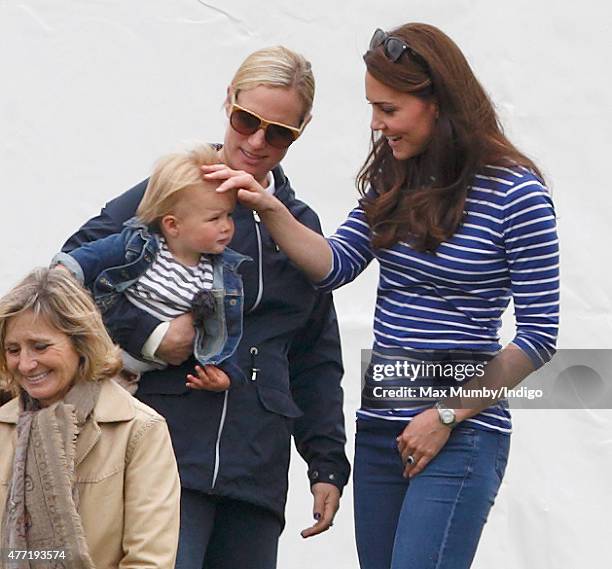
[(351, 251), (532, 252)]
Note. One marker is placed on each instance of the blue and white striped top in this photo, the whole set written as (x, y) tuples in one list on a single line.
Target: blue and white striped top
[(506, 247), (167, 288)]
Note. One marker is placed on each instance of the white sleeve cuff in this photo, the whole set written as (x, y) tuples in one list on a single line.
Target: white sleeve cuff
[(153, 341)]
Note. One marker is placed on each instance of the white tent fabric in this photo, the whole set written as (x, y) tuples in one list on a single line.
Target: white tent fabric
[(93, 92)]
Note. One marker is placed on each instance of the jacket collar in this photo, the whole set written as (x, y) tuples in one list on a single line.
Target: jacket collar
[(283, 190), (232, 259), (136, 223), (114, 405), (10, 411)]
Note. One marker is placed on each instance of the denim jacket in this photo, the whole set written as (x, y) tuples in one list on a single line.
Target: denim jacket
[(110, 265)]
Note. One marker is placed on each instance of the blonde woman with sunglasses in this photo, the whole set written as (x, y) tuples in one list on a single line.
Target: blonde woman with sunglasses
[(459, 221), (233, 448)]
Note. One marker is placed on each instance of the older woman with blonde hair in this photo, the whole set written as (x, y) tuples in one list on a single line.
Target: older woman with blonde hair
[(87, 473)]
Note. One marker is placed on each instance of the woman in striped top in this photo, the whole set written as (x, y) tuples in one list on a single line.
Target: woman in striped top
[(460, 222)]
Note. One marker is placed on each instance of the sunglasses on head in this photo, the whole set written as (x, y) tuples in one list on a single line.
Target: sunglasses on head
[(276, 134), (394, 48)]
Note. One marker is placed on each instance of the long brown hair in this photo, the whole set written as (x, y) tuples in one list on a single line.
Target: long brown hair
[(421, 200)]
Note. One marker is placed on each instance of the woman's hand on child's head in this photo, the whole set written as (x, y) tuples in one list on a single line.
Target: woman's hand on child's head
[(209, 378), (249, 190)]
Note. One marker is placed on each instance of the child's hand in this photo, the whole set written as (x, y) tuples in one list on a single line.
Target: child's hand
[(210, 378)]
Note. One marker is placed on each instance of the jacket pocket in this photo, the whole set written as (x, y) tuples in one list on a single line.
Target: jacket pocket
[(97, 474), (278, 402)]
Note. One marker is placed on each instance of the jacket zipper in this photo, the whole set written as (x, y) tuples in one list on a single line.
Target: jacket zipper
[(218, 443), (260, 259), (254, 370)]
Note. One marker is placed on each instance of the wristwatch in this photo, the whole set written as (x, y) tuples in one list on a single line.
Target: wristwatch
[(446, 415)]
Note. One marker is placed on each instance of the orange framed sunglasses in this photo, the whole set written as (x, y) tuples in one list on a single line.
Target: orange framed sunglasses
[(276, 134)]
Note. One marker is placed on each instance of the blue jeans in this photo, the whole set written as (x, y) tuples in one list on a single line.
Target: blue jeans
[(221, 533), (433, 521)]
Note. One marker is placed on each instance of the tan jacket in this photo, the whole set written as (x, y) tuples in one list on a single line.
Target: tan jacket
[(127, 478)]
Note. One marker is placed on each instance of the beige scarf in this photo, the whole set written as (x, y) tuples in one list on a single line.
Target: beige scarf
[(41, 508)]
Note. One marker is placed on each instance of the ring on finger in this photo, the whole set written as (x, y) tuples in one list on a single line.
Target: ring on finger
[(410, 460)]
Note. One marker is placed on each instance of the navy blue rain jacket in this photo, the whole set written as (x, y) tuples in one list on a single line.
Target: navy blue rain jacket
[(237, 443)]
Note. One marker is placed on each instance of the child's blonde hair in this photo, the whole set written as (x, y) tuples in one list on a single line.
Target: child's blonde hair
[(172, 174)]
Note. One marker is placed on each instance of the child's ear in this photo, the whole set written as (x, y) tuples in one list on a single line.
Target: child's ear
[(169, 225)]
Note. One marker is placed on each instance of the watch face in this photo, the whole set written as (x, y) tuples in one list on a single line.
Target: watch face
[(447, 416)]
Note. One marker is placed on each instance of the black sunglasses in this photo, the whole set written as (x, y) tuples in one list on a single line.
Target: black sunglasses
[(394, 48)]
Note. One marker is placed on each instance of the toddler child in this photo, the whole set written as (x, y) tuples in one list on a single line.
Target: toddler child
[(170, 259)]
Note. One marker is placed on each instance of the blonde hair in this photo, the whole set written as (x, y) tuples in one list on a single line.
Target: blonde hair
[(172, 174), (277, 67), (54, 295)]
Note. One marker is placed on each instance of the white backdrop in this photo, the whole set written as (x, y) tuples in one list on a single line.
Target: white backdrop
[(94, 91)]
